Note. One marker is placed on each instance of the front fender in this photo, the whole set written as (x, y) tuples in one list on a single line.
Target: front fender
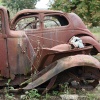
[(61, 65), (90, 40)]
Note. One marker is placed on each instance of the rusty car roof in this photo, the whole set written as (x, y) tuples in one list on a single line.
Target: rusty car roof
[(29, 11), (37, 11), (26, 11)]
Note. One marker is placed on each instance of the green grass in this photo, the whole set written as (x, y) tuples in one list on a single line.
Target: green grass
[(95, 30)]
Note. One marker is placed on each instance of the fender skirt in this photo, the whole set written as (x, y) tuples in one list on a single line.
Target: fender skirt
[(61, 65)]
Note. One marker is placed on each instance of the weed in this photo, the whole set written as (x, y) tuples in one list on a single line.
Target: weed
[(91, 96), (55, 93), (8, 96), (64, 88), (47, 96), (29, 95), (95, 30)]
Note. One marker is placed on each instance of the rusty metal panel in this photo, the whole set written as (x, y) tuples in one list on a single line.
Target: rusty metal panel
[(61, 65), (46, 50), (90, 40), (18, 61), (4, 68), (49, 37)]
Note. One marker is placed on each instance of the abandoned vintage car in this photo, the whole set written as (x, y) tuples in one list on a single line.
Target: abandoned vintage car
[(36, 49)]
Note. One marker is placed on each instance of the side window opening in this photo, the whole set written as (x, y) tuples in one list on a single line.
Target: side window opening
[(28, 23), (55, 21), (63, 21)]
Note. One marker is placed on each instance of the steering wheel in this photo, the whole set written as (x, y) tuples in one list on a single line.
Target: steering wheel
[(32, 25)]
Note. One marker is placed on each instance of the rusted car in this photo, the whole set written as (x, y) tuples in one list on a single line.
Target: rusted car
[(36, 51)]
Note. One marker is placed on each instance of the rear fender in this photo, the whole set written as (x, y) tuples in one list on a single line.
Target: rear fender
[(61, 65)]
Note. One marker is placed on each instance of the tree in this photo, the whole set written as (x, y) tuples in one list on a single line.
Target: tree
[(88, 10), (17, 5)]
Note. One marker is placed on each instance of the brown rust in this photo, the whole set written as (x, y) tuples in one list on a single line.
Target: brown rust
[(62, 64), (38, 46)]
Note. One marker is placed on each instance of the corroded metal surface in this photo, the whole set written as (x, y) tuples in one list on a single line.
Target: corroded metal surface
[(35, 47), (61, 65)]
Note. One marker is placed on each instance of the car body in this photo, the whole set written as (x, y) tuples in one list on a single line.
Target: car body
[(35, 49), (53, 27)]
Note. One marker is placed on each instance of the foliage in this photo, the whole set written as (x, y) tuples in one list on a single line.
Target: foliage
[(91, 96), (0, 2), (8, 96), (65, 89), (55, 93), (17, 5), (95, 30), (29, 95), (88, 10)]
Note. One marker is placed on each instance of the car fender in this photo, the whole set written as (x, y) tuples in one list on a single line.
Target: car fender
[(61, 47), (61, 65), (90, 40)]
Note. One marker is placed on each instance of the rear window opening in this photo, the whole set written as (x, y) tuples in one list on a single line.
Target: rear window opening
[(51, 21)]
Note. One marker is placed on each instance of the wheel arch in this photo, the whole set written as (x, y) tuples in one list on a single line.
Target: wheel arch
[(90, 40), (62, 65)]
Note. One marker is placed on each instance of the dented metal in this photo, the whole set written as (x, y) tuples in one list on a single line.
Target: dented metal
[(35, 48), (60, 66)]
